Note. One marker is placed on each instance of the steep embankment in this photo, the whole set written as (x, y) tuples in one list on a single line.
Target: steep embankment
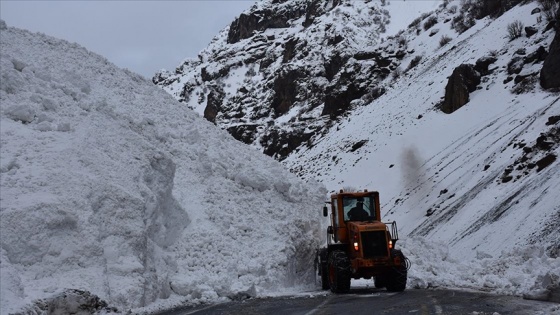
[(483, 177), (110, 185)]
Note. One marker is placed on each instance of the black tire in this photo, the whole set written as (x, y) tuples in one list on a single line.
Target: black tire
[(325, 285), (339, 272), (380, 282), (397, 276)]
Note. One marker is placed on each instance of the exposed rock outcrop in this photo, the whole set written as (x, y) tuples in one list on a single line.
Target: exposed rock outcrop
[(285, 91), (463, 81), (550, 73), (246, 24), (214, 103)]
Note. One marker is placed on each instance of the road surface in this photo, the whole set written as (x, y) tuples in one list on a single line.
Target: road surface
[(378, 301)]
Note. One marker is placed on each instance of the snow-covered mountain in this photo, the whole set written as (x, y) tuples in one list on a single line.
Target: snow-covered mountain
[(273, 75), (316, 85)]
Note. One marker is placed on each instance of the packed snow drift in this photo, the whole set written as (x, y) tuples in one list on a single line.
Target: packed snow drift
[(111, 186)]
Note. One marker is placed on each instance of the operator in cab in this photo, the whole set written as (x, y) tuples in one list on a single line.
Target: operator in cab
[(358, 213)]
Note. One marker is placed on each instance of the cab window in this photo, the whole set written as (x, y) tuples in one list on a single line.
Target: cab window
[(359, 208)]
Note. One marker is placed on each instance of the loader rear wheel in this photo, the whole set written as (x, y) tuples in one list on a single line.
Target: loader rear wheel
[(397, 276), (339, 272)]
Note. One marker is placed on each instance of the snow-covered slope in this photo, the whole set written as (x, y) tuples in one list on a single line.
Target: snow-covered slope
[(446, 176), (110, 185)]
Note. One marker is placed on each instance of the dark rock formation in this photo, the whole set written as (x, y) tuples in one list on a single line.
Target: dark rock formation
[(366, 55), (545, 161), (515, 65), (553, 120), (244, 26), (492, 8), (337, 102), (289, 50), (530, 31), (358, 145), (209, 76), (539, 55), (213, 104), (483, 63), (285, 89), (538, 156), (464, 80), (313, 10), (550, 73), (244, 133), (279, 143), (334, 65)]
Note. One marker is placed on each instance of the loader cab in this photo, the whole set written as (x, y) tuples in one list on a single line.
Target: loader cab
[(341, 204)]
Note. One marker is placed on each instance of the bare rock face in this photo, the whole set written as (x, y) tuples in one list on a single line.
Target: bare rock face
[(313, 10), (279, 143), (244, 26), (214, 103), (338, 102), (285, 87), (464, 80), (244, 133), (530, 31), (550, 73), (483, 63), (286, 70)]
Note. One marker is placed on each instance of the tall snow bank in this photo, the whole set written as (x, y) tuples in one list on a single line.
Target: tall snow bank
[(111, 186)]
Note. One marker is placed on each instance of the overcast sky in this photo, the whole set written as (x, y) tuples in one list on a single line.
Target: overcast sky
[(143, 36)]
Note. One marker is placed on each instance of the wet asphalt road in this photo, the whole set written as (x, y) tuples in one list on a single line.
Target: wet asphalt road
[(378, 301)]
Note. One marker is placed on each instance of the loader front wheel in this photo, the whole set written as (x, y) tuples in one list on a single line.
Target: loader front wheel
[(397, 276), (339, 272)]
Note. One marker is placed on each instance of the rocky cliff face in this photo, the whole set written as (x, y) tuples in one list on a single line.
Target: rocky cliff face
[(284, 70)]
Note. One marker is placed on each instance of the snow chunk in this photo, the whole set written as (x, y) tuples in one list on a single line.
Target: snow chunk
[(23, 113)]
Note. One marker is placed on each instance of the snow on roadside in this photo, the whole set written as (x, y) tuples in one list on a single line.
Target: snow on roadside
[(111, 186), (522, 271)]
